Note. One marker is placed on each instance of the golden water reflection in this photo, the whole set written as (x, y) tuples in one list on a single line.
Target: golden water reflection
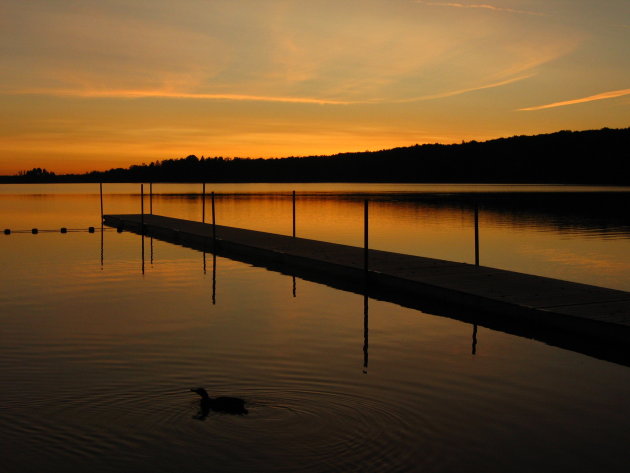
[(582, 237)]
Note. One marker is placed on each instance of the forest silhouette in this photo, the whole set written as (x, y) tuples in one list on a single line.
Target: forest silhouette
[(569, 157)]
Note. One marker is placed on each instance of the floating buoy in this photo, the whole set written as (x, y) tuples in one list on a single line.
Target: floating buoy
[(91, 229), (64, 230), (34, 231), (7, 231)]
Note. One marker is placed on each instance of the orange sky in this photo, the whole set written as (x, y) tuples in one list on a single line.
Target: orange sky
[(92, 85)]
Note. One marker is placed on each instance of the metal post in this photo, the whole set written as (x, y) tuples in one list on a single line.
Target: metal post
[(214, 227), (151, 198), (476, 235), (142, 209), (100, 185), (293, 214), (203, 204), (365, 236)]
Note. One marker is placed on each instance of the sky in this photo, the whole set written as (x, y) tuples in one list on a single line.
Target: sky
[(90, 85)]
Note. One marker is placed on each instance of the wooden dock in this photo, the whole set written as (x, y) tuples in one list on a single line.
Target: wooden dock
[(506, 297)]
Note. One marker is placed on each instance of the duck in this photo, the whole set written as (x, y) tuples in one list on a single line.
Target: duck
[(222, 404)]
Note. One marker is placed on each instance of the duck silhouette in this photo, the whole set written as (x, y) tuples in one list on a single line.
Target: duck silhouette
[(222, 404)]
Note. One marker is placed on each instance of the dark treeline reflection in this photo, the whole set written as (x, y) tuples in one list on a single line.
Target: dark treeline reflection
[(602, 212)]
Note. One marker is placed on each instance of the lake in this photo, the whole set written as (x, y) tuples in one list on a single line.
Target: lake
[(100, 347)]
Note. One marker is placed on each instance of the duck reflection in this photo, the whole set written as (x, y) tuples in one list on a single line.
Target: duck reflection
[(222, 404)]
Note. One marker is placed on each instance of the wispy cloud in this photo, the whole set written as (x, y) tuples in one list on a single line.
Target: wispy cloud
[(604, 95), (464, 91), (483, 6), (133, 94), (167, 94)]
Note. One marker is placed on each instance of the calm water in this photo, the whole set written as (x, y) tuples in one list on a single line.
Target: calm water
[(98, 351)]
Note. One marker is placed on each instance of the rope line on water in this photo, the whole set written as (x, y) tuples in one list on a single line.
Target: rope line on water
[(36, 231)]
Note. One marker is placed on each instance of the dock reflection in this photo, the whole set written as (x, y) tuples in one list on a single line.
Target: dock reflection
[(608, 350)]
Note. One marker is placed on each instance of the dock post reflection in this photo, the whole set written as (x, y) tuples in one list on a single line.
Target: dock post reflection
[(203, 203), (150, 198), (365, 333), (474, 339), (102, 244), (294, 287), (476, 235), (214, 279)]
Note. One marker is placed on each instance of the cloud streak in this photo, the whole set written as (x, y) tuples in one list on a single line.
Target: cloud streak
[(604, 95), (135, 94), (482, 6), (139, 94), (465, 91)]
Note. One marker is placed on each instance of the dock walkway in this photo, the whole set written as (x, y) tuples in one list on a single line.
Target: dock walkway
[(568, 306)]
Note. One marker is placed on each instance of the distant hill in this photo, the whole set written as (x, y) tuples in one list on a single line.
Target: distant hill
[(578, 157)]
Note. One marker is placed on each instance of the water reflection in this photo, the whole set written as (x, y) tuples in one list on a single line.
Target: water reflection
[(519, 230), (119, 375), (573, 233), (601, 213), (611, 350)]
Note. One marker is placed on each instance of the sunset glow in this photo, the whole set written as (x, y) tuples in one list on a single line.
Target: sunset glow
[(93, 85)]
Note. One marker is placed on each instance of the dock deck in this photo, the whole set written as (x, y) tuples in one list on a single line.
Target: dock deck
[(522, 298)]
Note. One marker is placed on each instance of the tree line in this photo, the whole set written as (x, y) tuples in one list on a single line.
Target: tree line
[(580, 157)]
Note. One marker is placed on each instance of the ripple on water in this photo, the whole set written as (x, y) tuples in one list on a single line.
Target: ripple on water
[(299, 430)]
